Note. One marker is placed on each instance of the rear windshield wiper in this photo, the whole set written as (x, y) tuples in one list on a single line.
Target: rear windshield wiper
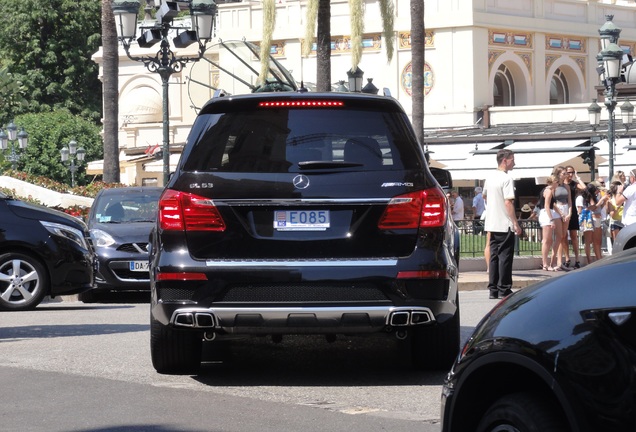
[(327, 164)]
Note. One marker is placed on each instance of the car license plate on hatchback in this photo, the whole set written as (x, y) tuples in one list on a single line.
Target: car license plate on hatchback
[(301, 220), (139, 266)]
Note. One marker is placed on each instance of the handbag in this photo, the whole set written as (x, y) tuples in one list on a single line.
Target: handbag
[(585, 221)]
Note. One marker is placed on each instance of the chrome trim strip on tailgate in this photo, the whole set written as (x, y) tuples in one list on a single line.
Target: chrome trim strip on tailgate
[(304, 263)]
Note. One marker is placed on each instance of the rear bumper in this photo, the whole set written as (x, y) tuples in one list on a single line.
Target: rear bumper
[(300, 319), (301, 296)]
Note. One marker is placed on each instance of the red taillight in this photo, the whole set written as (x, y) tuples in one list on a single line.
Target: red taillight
[(181, 276), (301, 103), (423, 274), (421, 209), (184, 211)]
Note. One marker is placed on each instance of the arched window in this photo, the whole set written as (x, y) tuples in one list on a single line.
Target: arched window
[(504, 91), (559, 93)]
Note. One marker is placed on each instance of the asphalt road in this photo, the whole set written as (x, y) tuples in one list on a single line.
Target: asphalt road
[(75, 367)]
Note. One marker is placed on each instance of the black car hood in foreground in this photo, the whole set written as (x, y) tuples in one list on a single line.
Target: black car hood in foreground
[(577, 332)]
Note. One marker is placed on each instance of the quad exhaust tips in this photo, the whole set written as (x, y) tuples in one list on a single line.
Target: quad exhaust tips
[(409, 317), (195, 320)]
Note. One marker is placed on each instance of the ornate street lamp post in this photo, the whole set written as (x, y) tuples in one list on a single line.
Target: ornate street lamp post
[(69, 154), (10, 136), (609, 69), (165, 62)]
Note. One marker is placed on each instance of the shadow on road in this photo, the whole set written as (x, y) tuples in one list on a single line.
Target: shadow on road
[(312, 361), (55, 331)]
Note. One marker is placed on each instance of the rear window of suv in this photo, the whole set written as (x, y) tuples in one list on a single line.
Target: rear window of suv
[(289, 139)]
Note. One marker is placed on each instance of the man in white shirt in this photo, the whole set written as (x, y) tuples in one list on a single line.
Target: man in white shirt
[(458, 207), (627, 197), (501, 223)]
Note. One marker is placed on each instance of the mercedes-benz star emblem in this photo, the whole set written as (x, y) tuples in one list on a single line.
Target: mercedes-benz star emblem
[(301, 181)]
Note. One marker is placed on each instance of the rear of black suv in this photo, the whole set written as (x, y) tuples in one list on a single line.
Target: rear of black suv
[(303, 213)]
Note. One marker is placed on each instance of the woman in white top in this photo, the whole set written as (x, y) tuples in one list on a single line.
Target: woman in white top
[(547, 216)]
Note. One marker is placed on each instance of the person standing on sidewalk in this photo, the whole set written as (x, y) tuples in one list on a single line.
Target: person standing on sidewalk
[(502, 224), (627, 198), (478, 210), (576, 187)]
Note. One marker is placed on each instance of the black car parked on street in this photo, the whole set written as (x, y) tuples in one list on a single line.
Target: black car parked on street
[(556, 356), (42, 252), (303, 213), (119, 223)]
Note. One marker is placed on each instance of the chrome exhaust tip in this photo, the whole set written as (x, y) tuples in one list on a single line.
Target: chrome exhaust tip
[(204, 320), (420, 317), (184, 319), (400, 318)]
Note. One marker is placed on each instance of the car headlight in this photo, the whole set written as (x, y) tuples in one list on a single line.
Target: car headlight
[(67, 232), (101, 238)]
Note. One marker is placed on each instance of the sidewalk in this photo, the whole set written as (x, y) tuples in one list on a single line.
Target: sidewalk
[(526, 271), (478, 280)]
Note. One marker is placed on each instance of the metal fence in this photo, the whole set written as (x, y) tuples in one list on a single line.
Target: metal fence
[(473, 238)]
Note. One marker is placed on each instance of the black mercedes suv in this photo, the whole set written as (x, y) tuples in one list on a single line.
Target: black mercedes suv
[(303, 213)]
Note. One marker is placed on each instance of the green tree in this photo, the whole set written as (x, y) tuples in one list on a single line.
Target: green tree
[(48, 133), (47, 45), (12, 96)]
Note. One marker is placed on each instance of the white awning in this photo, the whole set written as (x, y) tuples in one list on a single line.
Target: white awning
[(624, 159), (528, 165), (447, 152), (97, 166), (157, 165)]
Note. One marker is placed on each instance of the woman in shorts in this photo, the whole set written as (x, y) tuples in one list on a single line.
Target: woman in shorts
[(547, 215), (563, 203)]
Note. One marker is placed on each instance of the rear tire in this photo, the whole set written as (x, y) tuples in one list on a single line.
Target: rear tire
[(436, 346), (521, 412), (174, 351)]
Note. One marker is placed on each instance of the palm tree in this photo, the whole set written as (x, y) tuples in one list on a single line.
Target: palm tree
[(417, 57), (323, 47), (110, 93), (320, 10)]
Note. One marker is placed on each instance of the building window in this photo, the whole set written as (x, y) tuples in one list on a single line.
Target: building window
[(504, 91), (559, 93)]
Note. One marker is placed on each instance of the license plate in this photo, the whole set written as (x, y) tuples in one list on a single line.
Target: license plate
[(139, 266), (301, 220)]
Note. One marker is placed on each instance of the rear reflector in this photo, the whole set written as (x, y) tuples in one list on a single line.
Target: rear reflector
[(181, 276), (423, 274), (300, 103), (179, 211), (420, 209)]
